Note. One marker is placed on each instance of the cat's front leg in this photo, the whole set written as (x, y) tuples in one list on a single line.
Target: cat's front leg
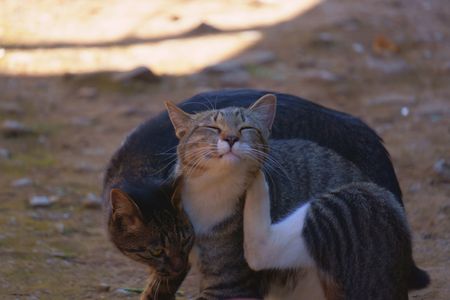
[(257, 222), (272, 246)]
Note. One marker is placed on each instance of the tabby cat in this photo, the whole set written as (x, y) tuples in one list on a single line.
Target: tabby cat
[(220, 153), (140, 212)]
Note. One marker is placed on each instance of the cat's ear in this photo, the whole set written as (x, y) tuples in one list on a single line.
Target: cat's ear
[(180, 119), (123, 206), (265, 107)]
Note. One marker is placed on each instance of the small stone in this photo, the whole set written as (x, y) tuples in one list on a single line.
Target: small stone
[(22, 182), (404, 111), (324, 39), (5, 153), (92, 201), (142, 74), (235, 79), (13, 128), (442, 168), (103, 287), (414, 188), (203, 29), (123, 291), (40, 201), (358, 48), (88, 92)]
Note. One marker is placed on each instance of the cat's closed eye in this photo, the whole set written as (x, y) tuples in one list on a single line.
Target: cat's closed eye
[(213, 128), (246, 128)]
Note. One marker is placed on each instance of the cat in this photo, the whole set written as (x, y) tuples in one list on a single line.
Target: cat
[(219, 154), (354, 239), (140, 173)]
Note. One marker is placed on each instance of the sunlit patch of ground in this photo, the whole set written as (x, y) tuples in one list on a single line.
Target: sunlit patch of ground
[(86, 36)]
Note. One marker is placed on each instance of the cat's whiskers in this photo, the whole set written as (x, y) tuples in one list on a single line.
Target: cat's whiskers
[(168, 151), (268, 163), (197, 162), (158, 282), (174, 158), (210, 107)]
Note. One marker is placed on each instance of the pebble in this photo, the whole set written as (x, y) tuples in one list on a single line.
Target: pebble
[(358, 48), (204, 28), (5, 153), (442, 168), (92, 201), (124, 292), (142, 74), (41, 201), (22, 182), (404, 111), (12, 128), (324, 39), (103, 287)]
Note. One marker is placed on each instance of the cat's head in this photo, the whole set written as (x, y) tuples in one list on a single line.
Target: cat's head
[(223, 139), (160, 237)]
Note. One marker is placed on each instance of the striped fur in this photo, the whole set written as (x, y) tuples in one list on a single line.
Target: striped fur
[(359, 236)]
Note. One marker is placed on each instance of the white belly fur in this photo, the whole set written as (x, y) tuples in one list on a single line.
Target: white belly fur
[(308, 288)]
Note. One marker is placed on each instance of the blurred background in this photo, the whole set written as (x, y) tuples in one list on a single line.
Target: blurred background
[(76, 76)]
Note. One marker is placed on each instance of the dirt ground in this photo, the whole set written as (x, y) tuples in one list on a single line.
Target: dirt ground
[(387, 62)]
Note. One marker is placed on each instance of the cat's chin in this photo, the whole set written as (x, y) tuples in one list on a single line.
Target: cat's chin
[(230, 158)]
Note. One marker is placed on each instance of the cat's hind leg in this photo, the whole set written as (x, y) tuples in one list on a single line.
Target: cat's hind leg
[(359, 237)]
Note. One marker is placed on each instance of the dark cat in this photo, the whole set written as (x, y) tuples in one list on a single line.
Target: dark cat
[(140, 169), (219, 154)]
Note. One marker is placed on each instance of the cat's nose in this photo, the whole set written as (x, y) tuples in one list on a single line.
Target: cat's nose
[(231, 139)]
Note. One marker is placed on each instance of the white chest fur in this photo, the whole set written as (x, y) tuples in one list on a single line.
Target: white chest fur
[(209, 199)]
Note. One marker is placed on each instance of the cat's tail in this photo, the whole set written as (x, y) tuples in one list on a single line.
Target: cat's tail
[(419, 279)]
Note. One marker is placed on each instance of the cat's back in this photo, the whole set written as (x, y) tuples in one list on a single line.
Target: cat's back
[(298, 170)]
